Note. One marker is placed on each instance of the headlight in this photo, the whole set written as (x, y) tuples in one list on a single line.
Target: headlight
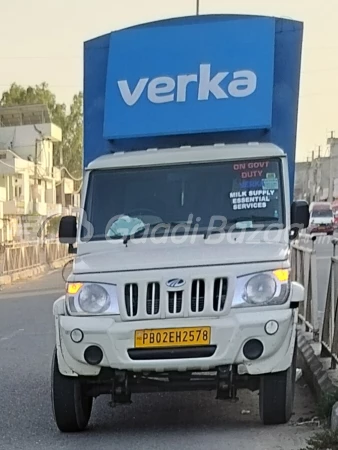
[(264, 288), (92, 299)]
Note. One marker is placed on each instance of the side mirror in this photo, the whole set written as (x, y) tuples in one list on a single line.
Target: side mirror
[(300, 217), (68, 230)]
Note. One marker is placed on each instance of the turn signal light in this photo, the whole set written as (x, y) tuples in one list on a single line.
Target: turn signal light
[(282, 275), (73, 288)]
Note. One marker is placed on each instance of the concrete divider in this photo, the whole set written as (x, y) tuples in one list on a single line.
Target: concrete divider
[(315, 369)]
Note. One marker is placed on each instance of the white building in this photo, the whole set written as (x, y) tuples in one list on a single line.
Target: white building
[(317, 180), (27, 135)]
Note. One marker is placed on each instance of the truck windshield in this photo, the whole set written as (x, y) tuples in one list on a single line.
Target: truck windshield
[(322, 213), (242, 194)]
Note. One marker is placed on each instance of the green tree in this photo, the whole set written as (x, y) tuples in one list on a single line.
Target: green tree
[(69, 121)]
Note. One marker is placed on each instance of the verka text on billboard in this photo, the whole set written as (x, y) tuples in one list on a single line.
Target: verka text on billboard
[(190, 78), (163, 89)]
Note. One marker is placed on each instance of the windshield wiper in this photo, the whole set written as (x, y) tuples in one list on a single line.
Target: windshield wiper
[(253, 218), (140, 233)]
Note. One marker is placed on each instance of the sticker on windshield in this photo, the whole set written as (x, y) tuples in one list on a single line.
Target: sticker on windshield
[(251, 184), (254, 199), (252, 169), (244, 224), (270, 183)]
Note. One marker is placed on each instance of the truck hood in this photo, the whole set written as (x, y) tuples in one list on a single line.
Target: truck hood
[(119, 258), (321, 220)]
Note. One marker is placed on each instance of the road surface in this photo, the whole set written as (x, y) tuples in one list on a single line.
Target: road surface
[(189, 421)]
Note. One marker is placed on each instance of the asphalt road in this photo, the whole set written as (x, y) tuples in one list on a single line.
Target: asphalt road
[(190, 421)]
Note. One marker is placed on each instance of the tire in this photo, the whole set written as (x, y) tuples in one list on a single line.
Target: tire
[(71, 408), (276, 396)]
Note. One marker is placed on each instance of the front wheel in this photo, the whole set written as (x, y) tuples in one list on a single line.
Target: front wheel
[(276, 396), (71, 407)]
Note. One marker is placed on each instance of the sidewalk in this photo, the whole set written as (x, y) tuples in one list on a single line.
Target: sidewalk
[(33, 272)]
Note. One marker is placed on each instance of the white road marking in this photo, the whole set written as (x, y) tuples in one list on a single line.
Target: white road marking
[(12, 335)]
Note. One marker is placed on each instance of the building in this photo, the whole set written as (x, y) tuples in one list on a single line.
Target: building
[(317, 180), (29, 183)]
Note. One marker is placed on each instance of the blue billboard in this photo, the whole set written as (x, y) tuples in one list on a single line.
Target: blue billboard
[(195, 80), (175, 79)]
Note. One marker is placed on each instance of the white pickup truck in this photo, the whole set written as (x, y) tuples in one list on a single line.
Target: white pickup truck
[(181, 280)]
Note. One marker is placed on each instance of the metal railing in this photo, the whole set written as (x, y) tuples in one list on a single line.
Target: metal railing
[(329, 338), (304, 271), (55, 251), (27, 255)]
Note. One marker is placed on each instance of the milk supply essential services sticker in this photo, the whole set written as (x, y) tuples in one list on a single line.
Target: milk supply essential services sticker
[(253, 199)]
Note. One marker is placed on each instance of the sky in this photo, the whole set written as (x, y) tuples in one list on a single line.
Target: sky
[(42, 40)]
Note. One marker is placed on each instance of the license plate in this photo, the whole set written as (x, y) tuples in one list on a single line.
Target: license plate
[(172, 337)]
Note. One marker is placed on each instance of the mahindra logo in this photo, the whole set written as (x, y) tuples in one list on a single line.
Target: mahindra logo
[(222, 85), (175, 283)]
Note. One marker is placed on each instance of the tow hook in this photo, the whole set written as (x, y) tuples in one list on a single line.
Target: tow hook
[(226, 389)]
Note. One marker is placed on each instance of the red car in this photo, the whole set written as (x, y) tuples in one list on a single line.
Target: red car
[(321, 218), (335, 214)]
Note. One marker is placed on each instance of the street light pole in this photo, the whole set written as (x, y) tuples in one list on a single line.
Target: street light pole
[(197, 7)]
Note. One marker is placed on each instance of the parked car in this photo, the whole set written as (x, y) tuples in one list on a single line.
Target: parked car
[(321, 218)]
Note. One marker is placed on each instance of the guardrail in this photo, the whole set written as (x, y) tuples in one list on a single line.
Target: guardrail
[(304, 270), (27, 255), (55, 251), (329, 338)]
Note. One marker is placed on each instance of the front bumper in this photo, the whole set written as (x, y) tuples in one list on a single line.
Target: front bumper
[(228, 333), (321, 228)]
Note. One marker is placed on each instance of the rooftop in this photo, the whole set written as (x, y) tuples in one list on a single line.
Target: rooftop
[(24, 115)]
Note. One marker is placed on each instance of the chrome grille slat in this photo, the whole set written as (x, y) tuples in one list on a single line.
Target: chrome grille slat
[(197, 301), (220, 294), (175, 302), (153, 298), (131, 299)]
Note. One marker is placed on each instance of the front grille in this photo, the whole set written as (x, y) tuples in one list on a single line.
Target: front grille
[(220, 293), (145, 301), (175, 302), (153, 298), (197, 296), (131, 299)]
